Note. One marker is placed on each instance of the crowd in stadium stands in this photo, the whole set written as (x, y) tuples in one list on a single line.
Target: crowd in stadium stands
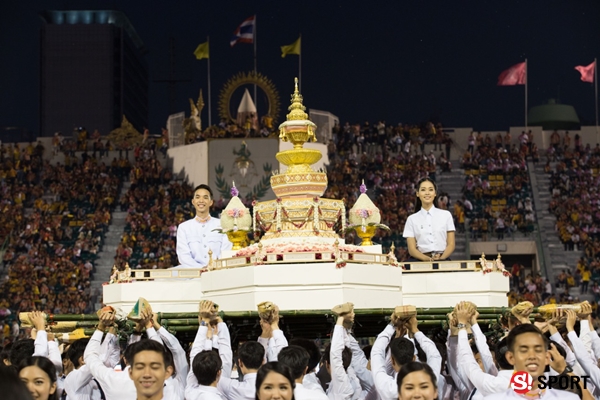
[(248, 129), (574, 185), (497, 191), (51, 248), (155, 205)]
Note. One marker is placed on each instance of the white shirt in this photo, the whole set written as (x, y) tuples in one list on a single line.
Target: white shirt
[(195, 391), (201, 392), (116, 385), (301, 392), (548, 394), (587, 363), (273, 345), (430, 229), (341, 387), (79, 385), (385, 384), (174, 387), (311, 381), (195, 238), (236, 390), (359, 365), (485, 383)]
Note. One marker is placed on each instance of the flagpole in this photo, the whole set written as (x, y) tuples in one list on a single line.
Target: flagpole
[(208, 77), (255, 69), (300, 74), (526, 85), (596, 93)]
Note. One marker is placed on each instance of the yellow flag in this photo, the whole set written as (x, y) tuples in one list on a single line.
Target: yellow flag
[(293, 48), (201, 51)]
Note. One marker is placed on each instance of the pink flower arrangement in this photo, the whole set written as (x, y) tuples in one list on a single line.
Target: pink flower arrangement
[(363, 213), (236, 213), (298, 248)]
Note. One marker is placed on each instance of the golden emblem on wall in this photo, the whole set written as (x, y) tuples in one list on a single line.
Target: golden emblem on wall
[(249, 78)]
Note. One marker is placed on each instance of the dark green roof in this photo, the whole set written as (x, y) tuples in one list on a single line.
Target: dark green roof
[(553, 116)]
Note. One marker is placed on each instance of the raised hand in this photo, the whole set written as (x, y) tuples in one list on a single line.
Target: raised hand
[(586, 310), (474, 317), (275, 318), (463, 313), (267, 331), (557, 362), (107, 319), (413, 325), (571, 319), (38, 320)]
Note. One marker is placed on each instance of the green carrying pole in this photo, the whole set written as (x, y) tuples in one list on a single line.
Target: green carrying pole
[(191, 318)]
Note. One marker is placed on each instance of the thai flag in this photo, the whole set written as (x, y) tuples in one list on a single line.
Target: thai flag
[(244, 33)]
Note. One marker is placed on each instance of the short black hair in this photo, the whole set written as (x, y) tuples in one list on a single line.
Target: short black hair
[(520, 330), (205, 187), (402, 350), (149, 345), (500, 353), (296, 358), (415, 366), (313, 350), (206, 366), (251, 354), (21, 350), (276, 367), (76, 350), (346, 356)]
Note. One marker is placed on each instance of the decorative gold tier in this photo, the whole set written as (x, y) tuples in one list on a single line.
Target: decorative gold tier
[(298, 217), (301, 157), (297, 132), (309, 183)]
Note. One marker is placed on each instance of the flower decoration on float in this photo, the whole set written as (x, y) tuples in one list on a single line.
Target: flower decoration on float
[(365, 217), (236, 220)]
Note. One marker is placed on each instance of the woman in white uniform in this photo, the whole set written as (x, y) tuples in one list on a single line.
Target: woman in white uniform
[(429, 232)]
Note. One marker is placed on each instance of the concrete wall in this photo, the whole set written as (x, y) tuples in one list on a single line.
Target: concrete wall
[(190, 162)]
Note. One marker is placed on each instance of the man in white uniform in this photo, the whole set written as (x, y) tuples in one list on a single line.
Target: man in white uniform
[(196, 236)]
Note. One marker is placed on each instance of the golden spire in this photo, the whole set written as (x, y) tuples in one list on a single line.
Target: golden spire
[(296, 108)]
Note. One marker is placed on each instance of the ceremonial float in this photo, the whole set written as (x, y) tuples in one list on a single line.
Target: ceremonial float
[(301, 262)]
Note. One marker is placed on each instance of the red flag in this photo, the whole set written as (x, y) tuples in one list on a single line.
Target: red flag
[(587, 72), (515, 75)]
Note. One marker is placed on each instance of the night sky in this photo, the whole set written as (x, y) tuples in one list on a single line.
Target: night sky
[(401, 61)]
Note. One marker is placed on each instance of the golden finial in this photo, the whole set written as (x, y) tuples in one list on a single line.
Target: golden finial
[(297, 108), (392, 248), (211, 263)]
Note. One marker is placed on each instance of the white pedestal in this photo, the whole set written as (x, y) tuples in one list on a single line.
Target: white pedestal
[(312, 286), (446, 289), (304, 286), (168, 295)]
